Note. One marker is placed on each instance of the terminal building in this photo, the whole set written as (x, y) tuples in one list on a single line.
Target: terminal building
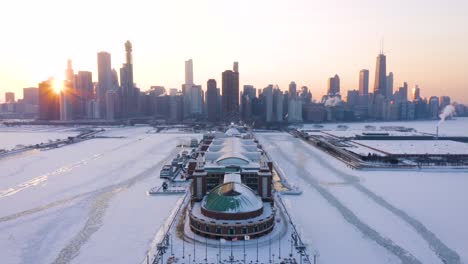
[(231, 188)]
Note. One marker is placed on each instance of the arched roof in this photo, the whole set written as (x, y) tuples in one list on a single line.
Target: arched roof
[(232, 159), (232, 132), (232, 197)]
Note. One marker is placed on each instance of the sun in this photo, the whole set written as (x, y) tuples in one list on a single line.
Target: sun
[(58, 85)]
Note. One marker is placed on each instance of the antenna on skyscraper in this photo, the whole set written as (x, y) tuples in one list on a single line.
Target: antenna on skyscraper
[(382, 46)]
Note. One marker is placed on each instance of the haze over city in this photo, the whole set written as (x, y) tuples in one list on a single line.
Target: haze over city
[(275, 42)]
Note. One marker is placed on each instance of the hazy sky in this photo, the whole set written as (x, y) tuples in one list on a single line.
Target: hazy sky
[(276, 42)]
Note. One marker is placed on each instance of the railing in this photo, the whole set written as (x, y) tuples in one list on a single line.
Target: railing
[(158, 252)]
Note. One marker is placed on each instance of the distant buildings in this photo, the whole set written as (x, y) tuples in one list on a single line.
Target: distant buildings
[(115, 97), (9, 97)]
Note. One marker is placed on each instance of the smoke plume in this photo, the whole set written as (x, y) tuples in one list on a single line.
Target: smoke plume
[(332, 101), (448, 111)]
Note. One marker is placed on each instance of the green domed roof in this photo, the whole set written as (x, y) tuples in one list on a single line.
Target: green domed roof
[(232, 197)]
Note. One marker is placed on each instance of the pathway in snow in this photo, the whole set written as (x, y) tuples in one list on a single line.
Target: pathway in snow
[(445, 254), (348, 215), (99, 205)]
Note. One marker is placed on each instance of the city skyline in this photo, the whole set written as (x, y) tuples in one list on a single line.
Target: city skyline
[(429, 51)]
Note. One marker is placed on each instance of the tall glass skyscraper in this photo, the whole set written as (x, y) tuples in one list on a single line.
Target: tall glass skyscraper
[(380, 85)]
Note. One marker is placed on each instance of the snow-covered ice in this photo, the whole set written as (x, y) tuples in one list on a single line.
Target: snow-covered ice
[(85, 202), (88, 202), (416, 216), (10, 137)]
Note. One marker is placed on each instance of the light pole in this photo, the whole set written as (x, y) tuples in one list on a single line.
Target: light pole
[(269, 249), (172, 253), (189, 258), (257, 250), (279, 246), (290, 254), (244, 250)]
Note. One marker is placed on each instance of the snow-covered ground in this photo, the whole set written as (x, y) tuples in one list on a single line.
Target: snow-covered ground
[(87, 202), (10, 137), (373, 216), (453, 127)]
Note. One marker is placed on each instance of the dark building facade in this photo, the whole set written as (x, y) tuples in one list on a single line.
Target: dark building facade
[(230, 95), (212, 101), (49, 106)]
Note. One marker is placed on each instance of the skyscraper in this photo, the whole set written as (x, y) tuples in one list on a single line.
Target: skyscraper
[(334, 85), (65, 102), (129, 100), (416, 93), (403, 92), (267, 94), (189, 72), (292, 90), (434, 107), (85, 89), (49, 108), (364, 82), (212, 100), (389, 85), (235, 67), (444, 101), (380, 83), (104, 82), (70, 94), (248, 95), (230, 96)]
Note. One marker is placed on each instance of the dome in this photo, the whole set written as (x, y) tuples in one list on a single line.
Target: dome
[(232, 198)]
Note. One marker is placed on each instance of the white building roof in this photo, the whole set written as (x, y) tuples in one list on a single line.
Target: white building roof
[(233, 151)]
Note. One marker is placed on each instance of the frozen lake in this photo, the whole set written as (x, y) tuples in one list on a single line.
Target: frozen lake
[(84, 202), (452, 127), (87, 202), (373, 216), (10, 137)]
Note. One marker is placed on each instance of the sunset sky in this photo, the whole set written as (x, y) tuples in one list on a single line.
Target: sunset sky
[(307, 41)]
